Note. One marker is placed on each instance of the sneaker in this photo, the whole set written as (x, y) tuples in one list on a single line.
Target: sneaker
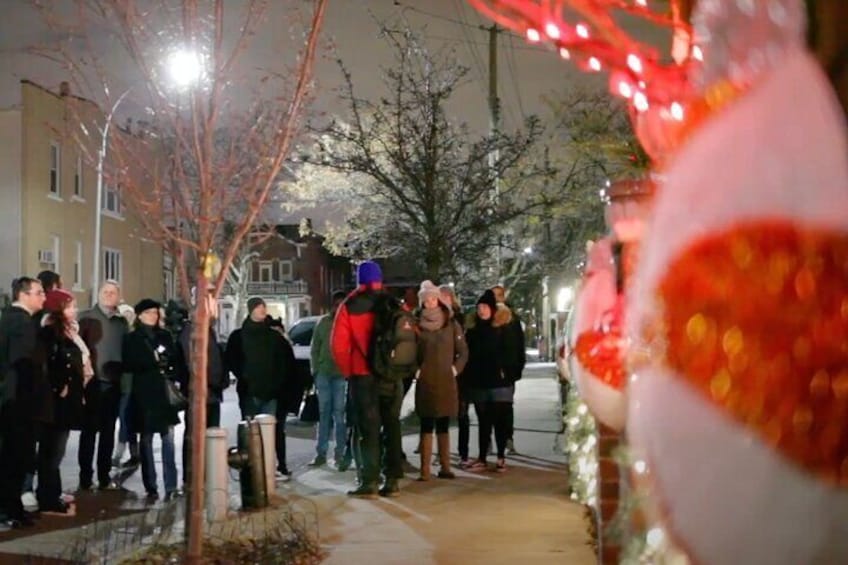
[(364, 491), (30, 503), (510, 447), (282, 476), (500, 466), (464, 464), (478, 465), (319, 461)]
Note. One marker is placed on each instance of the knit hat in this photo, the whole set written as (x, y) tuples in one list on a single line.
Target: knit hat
[(254, 303), (428, 290), (488, 299), (368, 272), (448, 301), (57, 299), (146, 304)]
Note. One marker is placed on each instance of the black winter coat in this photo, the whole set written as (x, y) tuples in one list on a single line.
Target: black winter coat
[(217, 378), (262, 360), (495, 352), (151, 356), (64, 367), (18, 368)]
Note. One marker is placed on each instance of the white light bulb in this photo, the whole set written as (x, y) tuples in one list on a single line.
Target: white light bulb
[(552, 30), (582, 31), (625, 90), (582, 409), (533, 35), (642, 3), (635, 63), (697, 53), (640, 101), (594, 64), (564, 53), (677, 111), (640, 466), (655, 537)]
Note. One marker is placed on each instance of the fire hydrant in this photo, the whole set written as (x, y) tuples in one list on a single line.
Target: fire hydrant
[(248, 457)]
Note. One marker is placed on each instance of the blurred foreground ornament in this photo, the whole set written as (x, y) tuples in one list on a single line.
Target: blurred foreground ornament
[(740, 307)]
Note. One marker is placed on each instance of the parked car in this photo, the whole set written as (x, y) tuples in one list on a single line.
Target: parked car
[(300, 336)]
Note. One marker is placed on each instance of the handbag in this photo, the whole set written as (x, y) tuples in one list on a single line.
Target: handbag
[(310, 412), (176, 399)]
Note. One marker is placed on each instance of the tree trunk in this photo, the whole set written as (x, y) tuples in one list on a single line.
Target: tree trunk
[(197, 400)]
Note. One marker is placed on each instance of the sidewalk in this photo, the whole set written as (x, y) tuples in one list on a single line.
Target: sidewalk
[(521, 516)]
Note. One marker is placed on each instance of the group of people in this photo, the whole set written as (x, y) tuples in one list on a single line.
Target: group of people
[(455, 361)]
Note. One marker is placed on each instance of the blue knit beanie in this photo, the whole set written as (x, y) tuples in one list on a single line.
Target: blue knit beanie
[(368, 272)]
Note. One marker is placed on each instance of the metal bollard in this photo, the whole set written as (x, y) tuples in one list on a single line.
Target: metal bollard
[(217, 474), (268, 425)]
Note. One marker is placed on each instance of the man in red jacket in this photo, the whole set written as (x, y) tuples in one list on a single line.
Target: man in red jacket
[(376, 402)]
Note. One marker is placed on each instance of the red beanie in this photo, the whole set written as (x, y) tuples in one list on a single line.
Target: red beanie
[(57, 299)]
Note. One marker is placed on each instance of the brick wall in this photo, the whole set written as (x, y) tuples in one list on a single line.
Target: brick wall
[(608, 492)]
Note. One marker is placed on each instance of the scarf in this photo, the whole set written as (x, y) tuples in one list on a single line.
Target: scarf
[(87, 368), (432, 319)]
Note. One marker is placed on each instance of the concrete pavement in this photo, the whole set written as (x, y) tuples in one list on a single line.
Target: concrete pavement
[(523, 515)]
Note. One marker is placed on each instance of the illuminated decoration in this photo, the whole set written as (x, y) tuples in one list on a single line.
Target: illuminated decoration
[(581, 445), (601, 42)]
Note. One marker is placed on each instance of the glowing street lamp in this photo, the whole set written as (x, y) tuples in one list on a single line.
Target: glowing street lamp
[(185, 67), (564, 298)]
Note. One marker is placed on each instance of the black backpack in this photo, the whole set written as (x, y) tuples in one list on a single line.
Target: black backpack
[(393, 354)]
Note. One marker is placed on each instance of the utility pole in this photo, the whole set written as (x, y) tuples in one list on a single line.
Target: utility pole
[(494, 127)]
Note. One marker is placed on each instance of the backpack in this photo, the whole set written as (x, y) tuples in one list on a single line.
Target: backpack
[(393, 354)]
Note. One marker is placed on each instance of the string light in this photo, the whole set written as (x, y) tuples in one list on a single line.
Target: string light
[(582, 31), (564, 53), (640, 101), (635, 63), (625, 89), (552, 30), (697, 53), (594, 64), (642, 3), (640, 466), (677, 111), (533, 35), (655, 537)]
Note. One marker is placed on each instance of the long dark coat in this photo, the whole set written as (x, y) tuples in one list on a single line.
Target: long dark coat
[(154, 413), (64, 367), (442, 355)]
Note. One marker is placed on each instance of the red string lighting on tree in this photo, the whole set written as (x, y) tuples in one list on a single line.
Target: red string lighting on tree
[(598, 43)]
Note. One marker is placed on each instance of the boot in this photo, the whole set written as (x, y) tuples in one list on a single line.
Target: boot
[(390, 488), (444, 457), (426, 441), (368, 491)]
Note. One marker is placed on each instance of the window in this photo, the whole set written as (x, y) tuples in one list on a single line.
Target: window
[(56, 241), (285, 270), (55, 165), (265, 271), (78, 177), (78, 267), (112, 264), (112, 199)]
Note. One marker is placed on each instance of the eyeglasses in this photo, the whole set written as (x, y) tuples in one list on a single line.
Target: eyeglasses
[(35, 292)]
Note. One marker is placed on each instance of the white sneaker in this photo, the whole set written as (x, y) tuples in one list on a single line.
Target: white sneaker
[(281, 478), (29, 501)]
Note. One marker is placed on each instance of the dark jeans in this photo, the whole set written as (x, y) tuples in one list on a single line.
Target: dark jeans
[(464, 423), (377, 419), (493, 415), (52, 442), (16, 451), (213, 420), (101, 414), (169, 464)]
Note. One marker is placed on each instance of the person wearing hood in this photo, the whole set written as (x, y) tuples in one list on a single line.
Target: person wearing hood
[(376, 402), (69, 370), (18, 374), (494, 365), (332, 390), (450, 299), (263, 361), (442, 354), (149, 353)]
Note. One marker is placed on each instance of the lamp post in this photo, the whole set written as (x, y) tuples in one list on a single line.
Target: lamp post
[(98, 212)]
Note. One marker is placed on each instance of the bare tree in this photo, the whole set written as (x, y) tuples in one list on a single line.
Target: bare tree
[(424, 187), (178, 174)]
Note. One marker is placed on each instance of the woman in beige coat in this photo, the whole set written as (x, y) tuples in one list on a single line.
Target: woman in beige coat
[(442, 355)]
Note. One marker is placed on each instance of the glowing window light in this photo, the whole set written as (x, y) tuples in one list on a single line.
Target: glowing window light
[(582, 31), (635, 63), (640, 101), (533, 35), (552, 30), (676, 111), (594, 64), (564, 53)]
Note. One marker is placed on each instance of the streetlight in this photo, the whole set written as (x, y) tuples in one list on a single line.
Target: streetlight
[(564, 298), (185, 68)]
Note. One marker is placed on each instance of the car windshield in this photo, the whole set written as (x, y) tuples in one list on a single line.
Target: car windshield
[(301, 332)]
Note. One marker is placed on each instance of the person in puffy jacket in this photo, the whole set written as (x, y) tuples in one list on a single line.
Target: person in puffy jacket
[(494, 365)]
